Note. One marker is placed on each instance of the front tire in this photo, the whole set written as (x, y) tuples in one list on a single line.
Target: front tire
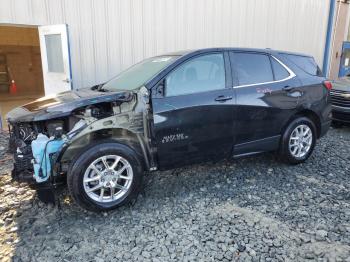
[(298, 141), (106, 176)]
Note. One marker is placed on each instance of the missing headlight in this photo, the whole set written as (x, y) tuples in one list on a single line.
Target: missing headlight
[(55, 128)]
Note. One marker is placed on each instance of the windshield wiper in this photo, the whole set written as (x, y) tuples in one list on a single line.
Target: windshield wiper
[(103, 90), (99, 88)]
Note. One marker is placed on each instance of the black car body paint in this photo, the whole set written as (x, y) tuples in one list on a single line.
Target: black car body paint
[(171, 131), (63, 104)]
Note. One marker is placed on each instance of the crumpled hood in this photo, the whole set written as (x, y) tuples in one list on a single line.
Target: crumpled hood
[(62, 104), (342, 84)]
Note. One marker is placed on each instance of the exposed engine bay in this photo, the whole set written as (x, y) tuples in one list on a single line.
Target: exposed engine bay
[(43, 149)]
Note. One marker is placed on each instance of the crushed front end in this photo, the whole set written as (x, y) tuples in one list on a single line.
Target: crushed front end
[(36, 147), (21, 136), (46, 135)]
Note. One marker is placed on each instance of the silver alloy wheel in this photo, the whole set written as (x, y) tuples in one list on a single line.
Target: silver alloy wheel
[(108, 178), (300, 141)]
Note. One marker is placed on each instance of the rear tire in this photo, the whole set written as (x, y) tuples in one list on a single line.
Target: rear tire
[(104, 177), (298, 141)]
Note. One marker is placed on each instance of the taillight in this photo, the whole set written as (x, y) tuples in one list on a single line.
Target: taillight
[(327, 84)]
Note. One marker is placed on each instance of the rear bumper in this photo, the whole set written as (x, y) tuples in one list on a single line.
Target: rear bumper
[(341, 114)]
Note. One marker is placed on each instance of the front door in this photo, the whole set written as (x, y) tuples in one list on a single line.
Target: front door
[(55, 58), (193, 120)]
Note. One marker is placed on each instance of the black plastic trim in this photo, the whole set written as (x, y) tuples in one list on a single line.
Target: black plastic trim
[(257, 146)]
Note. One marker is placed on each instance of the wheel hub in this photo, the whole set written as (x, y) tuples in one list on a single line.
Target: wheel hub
[(109, 178), (109, 173)]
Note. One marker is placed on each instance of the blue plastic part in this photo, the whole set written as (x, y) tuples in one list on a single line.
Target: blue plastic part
[(327, 50), (344, 69), (42, 147)]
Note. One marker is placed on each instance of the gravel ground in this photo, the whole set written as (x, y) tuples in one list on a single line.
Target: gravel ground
[(254, 209)]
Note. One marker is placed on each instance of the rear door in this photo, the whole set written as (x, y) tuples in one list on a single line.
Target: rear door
[(193, 119), (55, 58), (267, 95)]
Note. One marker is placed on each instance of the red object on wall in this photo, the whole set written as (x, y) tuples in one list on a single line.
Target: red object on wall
[(13, 88)]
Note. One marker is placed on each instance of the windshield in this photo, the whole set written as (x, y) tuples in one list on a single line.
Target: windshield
[(138, 74)]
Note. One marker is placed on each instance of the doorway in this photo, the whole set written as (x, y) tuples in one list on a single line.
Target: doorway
[(34, 61), (21, 76)]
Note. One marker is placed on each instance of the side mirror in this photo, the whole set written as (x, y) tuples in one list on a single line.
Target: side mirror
[(159, 90)]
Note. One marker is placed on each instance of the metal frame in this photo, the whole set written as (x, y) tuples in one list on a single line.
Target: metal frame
[(327, 51)]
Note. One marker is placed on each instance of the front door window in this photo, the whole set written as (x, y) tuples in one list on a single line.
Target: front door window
[(201, 74)]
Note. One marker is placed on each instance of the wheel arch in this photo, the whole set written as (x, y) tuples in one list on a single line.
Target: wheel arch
[(119, 135), (309, 114)]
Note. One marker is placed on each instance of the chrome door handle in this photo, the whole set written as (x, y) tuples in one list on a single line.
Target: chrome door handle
[(223, 98)]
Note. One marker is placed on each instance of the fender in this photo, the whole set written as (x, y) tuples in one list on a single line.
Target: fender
[(130, 127), (135, 141)]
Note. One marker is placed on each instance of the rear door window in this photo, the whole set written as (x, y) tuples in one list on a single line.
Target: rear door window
[(306, 63), (252, 68)]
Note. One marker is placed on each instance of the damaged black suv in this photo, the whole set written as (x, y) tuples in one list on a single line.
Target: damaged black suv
[(169, 111)]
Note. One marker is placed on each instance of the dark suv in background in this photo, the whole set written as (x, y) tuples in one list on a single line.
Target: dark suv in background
[(168, 111)]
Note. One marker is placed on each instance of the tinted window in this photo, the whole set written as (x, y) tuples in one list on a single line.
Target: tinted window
[(306, 63), (200, 74), (252, 68), (279, 71)]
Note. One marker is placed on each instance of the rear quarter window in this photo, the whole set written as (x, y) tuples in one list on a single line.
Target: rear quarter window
[(306, 63), (279, 71)]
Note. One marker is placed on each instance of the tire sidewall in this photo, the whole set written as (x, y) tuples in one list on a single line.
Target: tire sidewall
[(287, 155), (81, 163)]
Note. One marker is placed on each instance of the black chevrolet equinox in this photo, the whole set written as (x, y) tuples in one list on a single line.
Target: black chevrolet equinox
[(168, 111)]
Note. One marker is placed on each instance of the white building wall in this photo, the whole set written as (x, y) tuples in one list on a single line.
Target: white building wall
[(106, 36)]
